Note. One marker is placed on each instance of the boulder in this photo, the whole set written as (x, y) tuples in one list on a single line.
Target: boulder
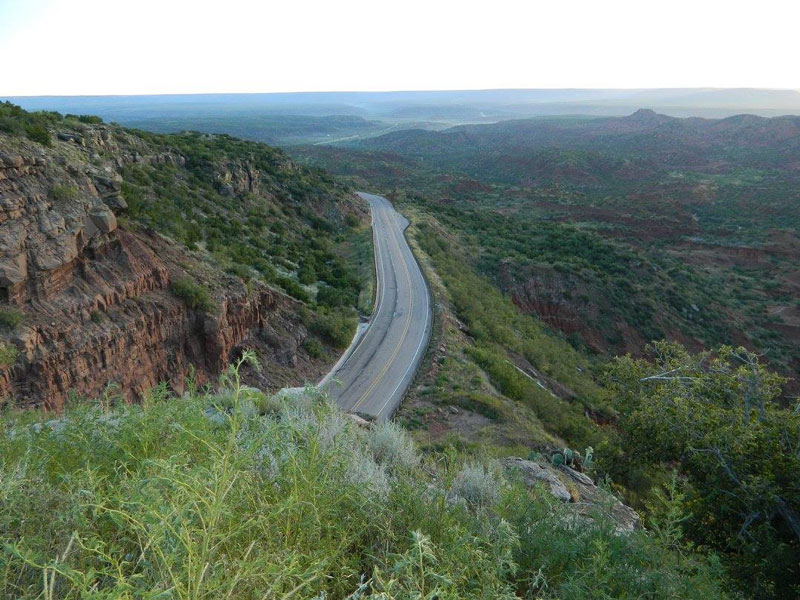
[(533, 473), (66, 136), (11, 160), (54, 253), (116, 203), (361, 422), (576, 489), (51, 223), (103, 218)]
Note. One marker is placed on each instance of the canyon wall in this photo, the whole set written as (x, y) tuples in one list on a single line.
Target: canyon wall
[(94, 299)]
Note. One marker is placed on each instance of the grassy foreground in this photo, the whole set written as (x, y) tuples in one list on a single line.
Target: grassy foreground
[(241, 495)]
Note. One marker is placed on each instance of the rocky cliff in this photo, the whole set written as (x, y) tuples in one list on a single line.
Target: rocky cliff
[(86, 303)]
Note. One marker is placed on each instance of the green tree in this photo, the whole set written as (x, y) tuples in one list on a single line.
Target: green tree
[(717, 416)]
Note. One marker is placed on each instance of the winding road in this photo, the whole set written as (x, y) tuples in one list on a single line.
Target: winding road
[(374, 374)]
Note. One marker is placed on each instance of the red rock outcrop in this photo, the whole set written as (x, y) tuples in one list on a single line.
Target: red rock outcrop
[(96, 301)]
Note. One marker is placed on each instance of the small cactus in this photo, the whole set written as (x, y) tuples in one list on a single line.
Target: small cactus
[(534, 455), (558, 459), (569, 456), (588, 460)]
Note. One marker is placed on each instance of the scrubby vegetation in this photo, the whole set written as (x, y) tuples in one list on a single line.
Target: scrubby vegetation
[(615, 231), (16, 121), (10, 317), (245, 206), (36, 126), (8, 354), (277, 234), (232, 496), (242, 209), (554, 245), (336, 326), (240, 494), (193, 294), (720, 417), (521, 359), (89, 119), (717, 416)]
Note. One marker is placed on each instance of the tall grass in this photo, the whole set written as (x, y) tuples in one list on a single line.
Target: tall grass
[(229, 496)]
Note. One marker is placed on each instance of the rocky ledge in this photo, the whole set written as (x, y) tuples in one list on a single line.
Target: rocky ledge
[(576, 489)]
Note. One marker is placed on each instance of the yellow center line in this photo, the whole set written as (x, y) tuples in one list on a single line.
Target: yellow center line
[(382, 372)]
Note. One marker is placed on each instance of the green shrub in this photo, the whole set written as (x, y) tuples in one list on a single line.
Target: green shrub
[(291, 287), (337, 327), (313, 346), (718, 418), (306, 274), (89, 119), (38, 133), (478, 485), (63, 192), (193, 294), (8, 354), (333, 297), (11, 126), (10, 317), (391, 447)]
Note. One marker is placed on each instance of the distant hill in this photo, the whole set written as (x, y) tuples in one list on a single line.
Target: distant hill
[(615, 230), (645, 133), (296, 118)]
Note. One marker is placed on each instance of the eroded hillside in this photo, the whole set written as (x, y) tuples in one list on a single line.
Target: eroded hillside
[(615, 231), (128, 259)]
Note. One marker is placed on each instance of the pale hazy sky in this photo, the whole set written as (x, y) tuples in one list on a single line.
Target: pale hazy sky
[(188, 46)]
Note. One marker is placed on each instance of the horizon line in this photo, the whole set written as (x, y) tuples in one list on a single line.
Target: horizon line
[(397, 91)]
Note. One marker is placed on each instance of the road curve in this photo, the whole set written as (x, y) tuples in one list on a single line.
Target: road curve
[(375, 373)]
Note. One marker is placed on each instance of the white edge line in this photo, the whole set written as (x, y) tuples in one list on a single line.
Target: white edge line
[(361, 332), (376, 381), (424, 334)]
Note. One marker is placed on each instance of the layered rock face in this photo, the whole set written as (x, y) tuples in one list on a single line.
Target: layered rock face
[(45, 226), (95, 299)]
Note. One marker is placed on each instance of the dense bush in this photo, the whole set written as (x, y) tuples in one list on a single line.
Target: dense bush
[(313, 346), (10, 317), (193, 294), (333, 297), (291, 287), (63, 192), (16, 121), (38, 133), (716, 416), (196, 497), (337, 326), (8, 354)]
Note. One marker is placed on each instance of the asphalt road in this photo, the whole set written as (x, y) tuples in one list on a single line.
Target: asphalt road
[(375, 373)]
